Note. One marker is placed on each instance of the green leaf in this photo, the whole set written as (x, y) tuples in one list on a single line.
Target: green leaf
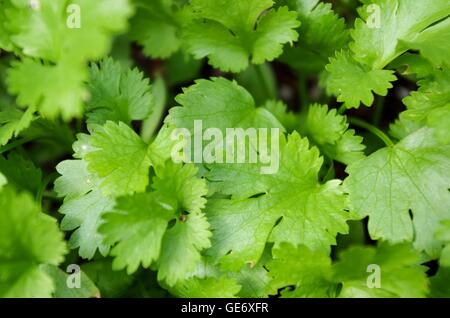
[(21, 172), (182, 243), (322, 32), (410, 176), (3, 181), (13, 121), (439, 283), (288, 119), (429, 106), (83, 206), (140, 226), (399, 20), (156, 27), (219, 103), (400, 272), (137, 224), (110, 283), (433, 43), (229, 33), (309, 272), (290, 206), (329, 132), (119, 157), (51, 89), (51, 34), (344, 72), (210, 287), (117, 94), (87, 288), (379, 37), (443, 235), (24, 248)]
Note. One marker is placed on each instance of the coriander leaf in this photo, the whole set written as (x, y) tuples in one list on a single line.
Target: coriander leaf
[(51, 33), (21, 172), (83, 206), (378, 44), (439, 283), (433, 43), (60, 38), (110, 283), (232, 32), (51, 89), (429, 106), (309, 271), (182, 243), (13, 121), (322, 32), (291, 206), (28, 238), (401, 274), (329, 132), (211, 287), (177, 198), (410, 176), (443, 235), (219, 103), (378, 38), (87, 287), (3, 181), (135, 228), (119, 157), (344, 72), (156, 27), (117, 94), (288, 119)]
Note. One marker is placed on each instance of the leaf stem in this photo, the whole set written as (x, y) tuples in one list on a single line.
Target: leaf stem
[(262, 79), (15, 144), (378, 110), (374, 130), (49, 178), (303, 90), (342, 109)]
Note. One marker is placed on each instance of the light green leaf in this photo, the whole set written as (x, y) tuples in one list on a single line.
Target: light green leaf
[(117, 94), (229, 33), (400, 272), (344, 73), (87, 288), (329, 132), (24, 248), (119, 157), (411, 176), (287, 206)]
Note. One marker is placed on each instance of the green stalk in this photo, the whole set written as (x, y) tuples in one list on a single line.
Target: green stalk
[(15, 144), (303, 91), (49, 178), (378, 110), (374, 130)]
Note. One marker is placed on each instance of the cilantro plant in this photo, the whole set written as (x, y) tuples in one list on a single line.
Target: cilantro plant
[(355, 95)]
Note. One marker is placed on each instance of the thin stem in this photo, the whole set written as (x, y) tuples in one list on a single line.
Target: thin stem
[(262, 79), (378, 110), (303, 90), (15, 144), (50, 195), (342, 109), (49, 178), (374, 130)]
